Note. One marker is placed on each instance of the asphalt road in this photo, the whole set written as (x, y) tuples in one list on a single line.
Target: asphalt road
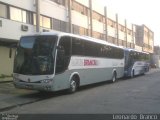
[(137, 95)]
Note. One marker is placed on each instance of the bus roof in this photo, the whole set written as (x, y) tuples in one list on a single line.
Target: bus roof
[(129, 49), (74, 35)]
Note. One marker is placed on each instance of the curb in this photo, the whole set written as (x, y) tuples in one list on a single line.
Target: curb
[(153, 71), (8, 107), (6, 81)]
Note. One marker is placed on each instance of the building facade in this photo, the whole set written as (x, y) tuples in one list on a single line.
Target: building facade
[(157, 50), (155, 58), (83, 17), (145, 38)]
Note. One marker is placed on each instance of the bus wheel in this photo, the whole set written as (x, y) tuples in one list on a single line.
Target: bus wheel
[(73, 85), (114, 77)]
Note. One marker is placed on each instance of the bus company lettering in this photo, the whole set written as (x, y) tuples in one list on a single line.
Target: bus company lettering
[(90, 62), (77, 62)]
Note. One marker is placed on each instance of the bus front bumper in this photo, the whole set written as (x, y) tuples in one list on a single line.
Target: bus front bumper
[(34, 86)]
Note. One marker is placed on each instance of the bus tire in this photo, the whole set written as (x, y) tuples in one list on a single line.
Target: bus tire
[(73, 85), (114, 77)]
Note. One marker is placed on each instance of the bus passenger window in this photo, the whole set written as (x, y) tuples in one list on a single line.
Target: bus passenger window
[(63, 54)]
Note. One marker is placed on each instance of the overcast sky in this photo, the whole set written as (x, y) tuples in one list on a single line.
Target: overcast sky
[(138, 12)]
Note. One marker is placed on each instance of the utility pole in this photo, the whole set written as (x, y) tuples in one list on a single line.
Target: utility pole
[(133, 36), (37, 15), (106, 23), (70, 16), (117, 27), (126, 37), (91, 23)]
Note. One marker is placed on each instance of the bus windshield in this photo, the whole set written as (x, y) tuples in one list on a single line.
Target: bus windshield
[(35, 55)]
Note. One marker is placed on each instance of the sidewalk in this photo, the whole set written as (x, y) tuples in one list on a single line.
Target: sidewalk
[(6, 79), (153, 70), (11, 97)]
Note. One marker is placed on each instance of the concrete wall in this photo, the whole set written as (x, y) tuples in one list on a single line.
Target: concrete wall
[(122, 35), (6, 63), (98, 26), (111, 31), (97, 7), (25, 4), (12, 29), (53, 10), (79, 19), (130, 38), (84, 2)]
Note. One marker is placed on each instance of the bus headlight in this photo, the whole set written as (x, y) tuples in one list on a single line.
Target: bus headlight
[(47, 81)]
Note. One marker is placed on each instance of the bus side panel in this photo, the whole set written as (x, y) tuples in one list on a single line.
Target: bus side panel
[(90, 70), (95, 75), (87, 76), (99, 75), (120, 72), (61, 81)]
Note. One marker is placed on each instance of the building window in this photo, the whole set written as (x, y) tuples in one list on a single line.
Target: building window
[(64, 27), (75, 29), (3, 11), (132, 45), (146, 33), (10, 53), (120, 42), (61, 2), (18, 14), (34, 19), (83, 31), (60, 25), (79, 8), (56, 24), (129, 32), (44, 21), (115, 41), (29, 18), (111, 23), (151, 35), (124, 43), (129, 44), (98, 16), (98, 35), (122, 28), (109, 39)]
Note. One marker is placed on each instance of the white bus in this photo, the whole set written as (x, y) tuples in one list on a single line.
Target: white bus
[(136, 63), (56, 61)]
